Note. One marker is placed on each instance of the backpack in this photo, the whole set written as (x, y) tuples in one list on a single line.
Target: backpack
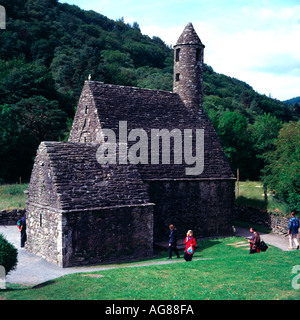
[(263, 246), (295, 223)]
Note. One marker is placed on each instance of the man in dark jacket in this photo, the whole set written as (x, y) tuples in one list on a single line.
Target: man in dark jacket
[(172, 241), (293, 231), (22, 229)]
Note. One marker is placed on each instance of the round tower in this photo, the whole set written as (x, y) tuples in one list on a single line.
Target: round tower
[(188, 69)]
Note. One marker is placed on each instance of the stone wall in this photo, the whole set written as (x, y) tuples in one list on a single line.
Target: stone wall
[(203, 206), (188, 69), (44, 233), (148, 110), (10, 217), (107, 235), (86, 124), (275, 222), (90, 237)]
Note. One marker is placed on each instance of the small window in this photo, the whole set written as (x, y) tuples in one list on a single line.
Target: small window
[(177, 77), (41, 220), (86, 109), (198, 54), (177, 55), (84, 124)]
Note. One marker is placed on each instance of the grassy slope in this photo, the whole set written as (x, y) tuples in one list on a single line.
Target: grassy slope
[(252, 193), (232, 275), (12, 196)]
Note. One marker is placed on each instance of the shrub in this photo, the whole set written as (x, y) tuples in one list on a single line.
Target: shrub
[(282, 174), (8, 255)]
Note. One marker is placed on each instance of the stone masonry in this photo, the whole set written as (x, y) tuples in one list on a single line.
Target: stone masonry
[(82, 212)]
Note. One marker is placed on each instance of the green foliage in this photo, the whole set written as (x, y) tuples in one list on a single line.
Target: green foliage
[(49, 49), (8, 255), (293, 101), (31, 110), (236, 142), (265, 131), (258, 121), (283, 171)]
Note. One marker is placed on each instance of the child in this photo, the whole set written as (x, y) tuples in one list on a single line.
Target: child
[(190, 243)]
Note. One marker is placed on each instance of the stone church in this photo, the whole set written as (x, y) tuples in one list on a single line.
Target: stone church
[(83, 212)]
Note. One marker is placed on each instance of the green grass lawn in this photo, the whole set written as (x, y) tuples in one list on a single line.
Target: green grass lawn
[(12, 196), (233, 274), (252, 193)]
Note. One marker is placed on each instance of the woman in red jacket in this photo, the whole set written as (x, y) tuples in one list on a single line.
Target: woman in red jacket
[(190, 243)]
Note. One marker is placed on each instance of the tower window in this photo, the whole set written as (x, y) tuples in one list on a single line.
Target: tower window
[(177, 55), (41, 220), (198, 54), (177, 76), (86, 109)]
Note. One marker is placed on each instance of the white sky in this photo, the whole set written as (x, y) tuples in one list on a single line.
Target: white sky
[(256, 41)]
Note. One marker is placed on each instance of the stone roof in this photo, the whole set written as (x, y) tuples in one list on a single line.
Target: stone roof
[(67, 176), (189, 36), (150, 109)]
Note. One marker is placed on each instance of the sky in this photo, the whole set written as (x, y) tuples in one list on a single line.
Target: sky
[(256, 41)]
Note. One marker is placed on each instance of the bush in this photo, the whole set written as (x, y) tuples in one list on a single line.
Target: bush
[(8, 255), (282, 174)]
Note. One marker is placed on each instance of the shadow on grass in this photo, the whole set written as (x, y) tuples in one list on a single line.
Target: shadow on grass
[(159, 254), (14, 287), (44, 284), (248, 225), (202, 244), (256, 203)]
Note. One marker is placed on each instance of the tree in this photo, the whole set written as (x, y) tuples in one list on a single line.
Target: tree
[(236, 141), (282, 174), (265, 131), (22, 127)]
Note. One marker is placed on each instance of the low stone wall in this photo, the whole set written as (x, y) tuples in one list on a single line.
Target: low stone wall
[(10, 217), (278, 224)]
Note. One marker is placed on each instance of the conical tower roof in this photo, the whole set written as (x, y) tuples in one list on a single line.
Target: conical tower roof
[(189, 36)]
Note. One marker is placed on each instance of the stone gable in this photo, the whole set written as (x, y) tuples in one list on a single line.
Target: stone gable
[(81, 212)]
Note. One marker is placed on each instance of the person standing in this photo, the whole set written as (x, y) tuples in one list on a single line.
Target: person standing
[(22, 229), (293, 231), (172, 242), (254, 242), (190, 244)]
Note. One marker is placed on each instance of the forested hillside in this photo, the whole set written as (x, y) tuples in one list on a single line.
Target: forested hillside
[(47, 51), (293, 101)]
